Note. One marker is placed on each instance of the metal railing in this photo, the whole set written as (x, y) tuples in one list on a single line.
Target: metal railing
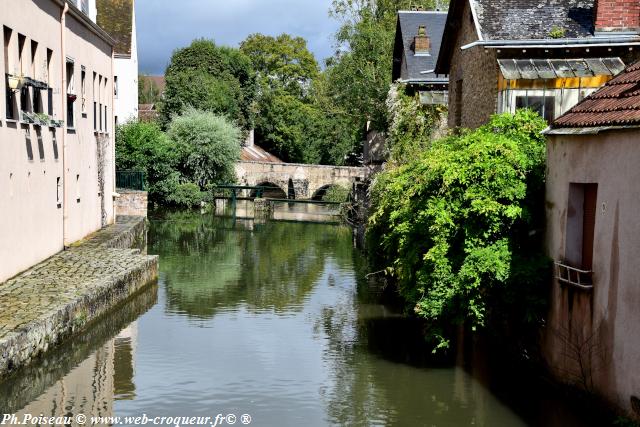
[(573, 276), (130, 180)]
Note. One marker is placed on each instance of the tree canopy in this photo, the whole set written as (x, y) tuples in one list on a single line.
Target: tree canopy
[(281, 62), (211, 78)]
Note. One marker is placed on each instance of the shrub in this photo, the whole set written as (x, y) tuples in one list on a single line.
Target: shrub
[(207, 146), (459, 227), (336, 193), (144, 147), (185, 194)]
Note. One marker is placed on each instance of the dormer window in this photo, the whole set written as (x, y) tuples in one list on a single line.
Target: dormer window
[(422, 42)]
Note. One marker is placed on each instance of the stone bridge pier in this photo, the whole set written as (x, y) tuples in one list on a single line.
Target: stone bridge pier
[(298, 180)]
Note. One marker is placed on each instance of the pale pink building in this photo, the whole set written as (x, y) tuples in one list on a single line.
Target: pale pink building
[(56, 130), (593, 235)]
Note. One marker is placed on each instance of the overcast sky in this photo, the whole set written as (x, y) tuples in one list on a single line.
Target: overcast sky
[(164, 25)]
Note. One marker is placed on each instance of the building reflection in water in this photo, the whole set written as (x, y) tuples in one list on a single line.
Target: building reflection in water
[(92, 386)]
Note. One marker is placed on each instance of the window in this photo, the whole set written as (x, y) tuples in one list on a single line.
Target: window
[(58, 186), (34, 57), (105, 92), (71, 95), (54, 142), (85, 6), (49, 81), (95, 103), (83, 90), (27, 140), (581, 220), (543, 105), (115, 86), (40, 143), (21, 41), (78, 188), (99, 102), (10, 96), (25, 100), (7, 32)]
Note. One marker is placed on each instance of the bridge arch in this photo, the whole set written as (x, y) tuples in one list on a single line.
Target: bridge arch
[(273, 190), (322, 191)]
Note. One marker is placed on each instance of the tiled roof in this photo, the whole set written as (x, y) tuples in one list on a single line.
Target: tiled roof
[(256, 153), (616, 104), (534, 19), (116, 18), (409, 22)]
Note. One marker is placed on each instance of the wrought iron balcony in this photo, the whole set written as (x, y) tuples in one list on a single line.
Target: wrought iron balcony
[(572, 276)]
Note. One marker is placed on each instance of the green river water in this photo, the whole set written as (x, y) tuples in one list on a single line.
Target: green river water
[(273, 319)]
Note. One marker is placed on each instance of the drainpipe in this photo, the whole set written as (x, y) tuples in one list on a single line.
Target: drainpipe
[(63, 91)]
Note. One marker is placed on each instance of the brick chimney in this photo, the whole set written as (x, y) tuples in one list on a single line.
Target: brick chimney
[(617, 15), (422, 42)]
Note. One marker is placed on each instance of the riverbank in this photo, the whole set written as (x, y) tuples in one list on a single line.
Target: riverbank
[(58, 297)]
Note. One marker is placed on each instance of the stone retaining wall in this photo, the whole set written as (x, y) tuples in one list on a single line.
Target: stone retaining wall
[(131, 203), (62, 295)]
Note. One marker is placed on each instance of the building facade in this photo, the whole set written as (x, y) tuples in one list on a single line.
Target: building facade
[(544, 55), (593, 235), (118, 18), (56, 128), (416, 48)]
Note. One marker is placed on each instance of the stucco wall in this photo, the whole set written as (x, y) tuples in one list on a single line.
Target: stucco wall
[(126, 68), (602, 322), (32, 204), (477, 68)]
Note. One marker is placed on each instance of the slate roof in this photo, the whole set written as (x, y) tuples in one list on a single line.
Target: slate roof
[(408, 24), (617, 103), (116, 18), (534, 19)]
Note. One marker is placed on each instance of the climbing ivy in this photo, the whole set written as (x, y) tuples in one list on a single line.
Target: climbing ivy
[(458, 228)]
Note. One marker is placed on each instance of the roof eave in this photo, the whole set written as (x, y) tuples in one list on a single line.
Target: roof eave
[(84, 19), (621, 41), (587, 130)]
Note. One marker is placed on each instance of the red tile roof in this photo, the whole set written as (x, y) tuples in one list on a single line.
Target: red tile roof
[(615, 104)]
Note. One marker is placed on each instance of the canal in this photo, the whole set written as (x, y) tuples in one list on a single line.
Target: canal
[(274, 319)]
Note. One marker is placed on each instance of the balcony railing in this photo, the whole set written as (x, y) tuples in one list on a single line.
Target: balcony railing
[(130, 180), (572, 276)]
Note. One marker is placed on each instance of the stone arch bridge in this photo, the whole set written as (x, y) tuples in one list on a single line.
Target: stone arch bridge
[(300, 181)]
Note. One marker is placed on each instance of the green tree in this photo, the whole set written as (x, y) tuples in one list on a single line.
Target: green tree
[(144, 147), (148, 90), (210, 78), (282, 62), (459, 227), (359, 73), (207, 146)]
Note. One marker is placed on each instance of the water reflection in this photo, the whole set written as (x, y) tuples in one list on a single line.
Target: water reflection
[(87, 373), (275, 320), (281, 211), (221, 262)]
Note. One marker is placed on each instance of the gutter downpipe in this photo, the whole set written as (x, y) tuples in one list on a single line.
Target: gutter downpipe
[(63, 91)]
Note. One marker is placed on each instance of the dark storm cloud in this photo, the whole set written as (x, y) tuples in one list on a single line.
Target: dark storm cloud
[(164, 25)]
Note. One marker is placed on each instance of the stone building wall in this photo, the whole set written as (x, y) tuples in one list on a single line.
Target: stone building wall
[(477, 71)]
